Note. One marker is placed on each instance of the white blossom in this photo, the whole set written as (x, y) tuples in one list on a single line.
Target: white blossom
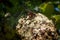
[(35, 27)]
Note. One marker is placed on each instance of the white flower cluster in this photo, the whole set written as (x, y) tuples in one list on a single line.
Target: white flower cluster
[(37, 27)]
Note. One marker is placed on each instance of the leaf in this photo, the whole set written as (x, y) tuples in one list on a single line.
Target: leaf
[(57, 21), (57, 17), (59, 6), (47, 9)]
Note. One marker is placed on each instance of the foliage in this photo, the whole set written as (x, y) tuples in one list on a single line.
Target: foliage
[(57, 20), (16, 8), (47, 9)]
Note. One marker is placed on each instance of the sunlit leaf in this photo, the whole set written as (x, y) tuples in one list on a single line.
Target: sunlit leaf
[(47, 9), (59, 6), (57, 17)]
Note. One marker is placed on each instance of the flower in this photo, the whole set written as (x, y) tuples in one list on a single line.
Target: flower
[(36, 28)]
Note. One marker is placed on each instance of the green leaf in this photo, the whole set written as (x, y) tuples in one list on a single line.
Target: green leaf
[(58, 6), (57, 17), (57, 21), (47, 9)]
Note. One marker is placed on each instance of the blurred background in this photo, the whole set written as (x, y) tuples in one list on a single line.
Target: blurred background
[(12, 10)]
